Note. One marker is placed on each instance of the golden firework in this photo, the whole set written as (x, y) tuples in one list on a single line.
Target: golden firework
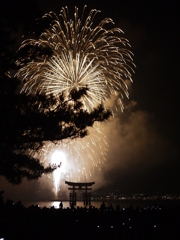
[(81, 55)]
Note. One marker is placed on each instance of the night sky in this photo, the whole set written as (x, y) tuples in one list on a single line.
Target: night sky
[(143, 153)]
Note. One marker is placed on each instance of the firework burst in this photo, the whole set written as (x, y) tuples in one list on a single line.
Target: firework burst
[(72, 54), (80, 56), (84, 157)]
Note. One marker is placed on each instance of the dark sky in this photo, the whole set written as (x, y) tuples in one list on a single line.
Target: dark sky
[(143, 153)]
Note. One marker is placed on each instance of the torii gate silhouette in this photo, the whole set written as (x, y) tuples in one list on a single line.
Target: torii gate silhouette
[(79, 186)]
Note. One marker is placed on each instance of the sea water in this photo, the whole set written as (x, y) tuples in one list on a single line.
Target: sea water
[(97, 204)]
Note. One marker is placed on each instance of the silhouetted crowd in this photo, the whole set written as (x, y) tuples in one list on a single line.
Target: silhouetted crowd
[(150, 223)]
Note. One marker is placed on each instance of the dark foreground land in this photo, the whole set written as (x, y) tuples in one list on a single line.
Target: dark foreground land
[(17, 222)]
